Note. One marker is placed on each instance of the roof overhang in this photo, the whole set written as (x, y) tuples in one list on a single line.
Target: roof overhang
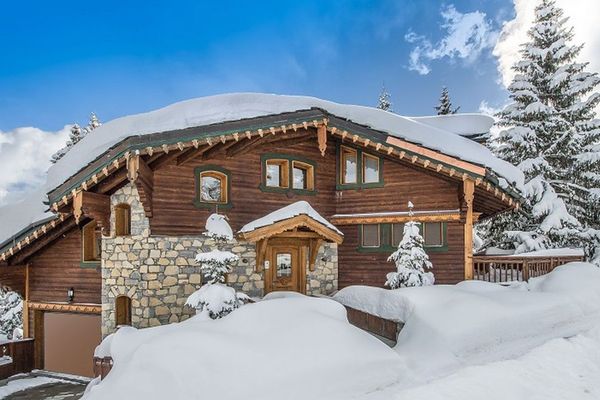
[(292, 224)]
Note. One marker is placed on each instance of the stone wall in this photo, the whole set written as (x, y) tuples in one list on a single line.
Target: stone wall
[(158, 273)]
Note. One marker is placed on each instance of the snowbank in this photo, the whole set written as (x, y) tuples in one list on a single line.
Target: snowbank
[(230, 107), (447, 327), (292, 348)]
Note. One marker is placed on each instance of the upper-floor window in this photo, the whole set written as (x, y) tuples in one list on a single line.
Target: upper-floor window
[(285, 173), (91, 242), (122, 220), (277, 173), (212, 187), (387, 237), (358, 169)]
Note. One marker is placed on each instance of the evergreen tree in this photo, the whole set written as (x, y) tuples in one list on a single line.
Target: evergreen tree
[(77, 133), (445, 106), (410, 259), (551, 134), (385, 102), (11, 313)]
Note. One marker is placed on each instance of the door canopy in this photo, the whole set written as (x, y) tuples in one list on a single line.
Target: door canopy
[(297, 217)]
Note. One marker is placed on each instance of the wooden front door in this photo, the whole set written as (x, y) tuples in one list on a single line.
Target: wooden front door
[(284, 273)]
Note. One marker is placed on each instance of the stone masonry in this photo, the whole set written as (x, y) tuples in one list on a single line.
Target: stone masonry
[(158, 273)]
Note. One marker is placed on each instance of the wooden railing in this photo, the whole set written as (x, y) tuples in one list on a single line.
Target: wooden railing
[(102, 366), (371, 323), (511, 268), (16, 356)]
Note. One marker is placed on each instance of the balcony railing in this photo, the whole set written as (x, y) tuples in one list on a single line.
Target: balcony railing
[(500, 269)]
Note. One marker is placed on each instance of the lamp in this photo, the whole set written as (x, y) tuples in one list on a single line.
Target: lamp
[(70, 294)]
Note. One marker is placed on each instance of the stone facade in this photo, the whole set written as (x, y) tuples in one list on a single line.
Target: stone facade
[(158, 273)]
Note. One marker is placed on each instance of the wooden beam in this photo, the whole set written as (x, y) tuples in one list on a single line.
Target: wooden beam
[(26, 333), (242, 147), (322, 139), (261, 253), (314, 246), (355, 220), (95, 206), (468, 190), (142, 176), (193, 154)]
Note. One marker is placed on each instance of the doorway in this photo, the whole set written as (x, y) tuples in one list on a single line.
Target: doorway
[(285, 272)]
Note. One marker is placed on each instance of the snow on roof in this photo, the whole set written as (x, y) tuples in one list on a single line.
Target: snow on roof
[(18, 217), (287, 212), (437, 133)]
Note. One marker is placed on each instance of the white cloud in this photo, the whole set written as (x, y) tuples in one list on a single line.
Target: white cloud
[(24, 159), (583, 16), (466, 36)]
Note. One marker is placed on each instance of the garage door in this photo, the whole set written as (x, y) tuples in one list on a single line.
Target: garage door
[(69, 342)]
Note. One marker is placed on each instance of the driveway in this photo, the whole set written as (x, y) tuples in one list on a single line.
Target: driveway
[(37, 386)]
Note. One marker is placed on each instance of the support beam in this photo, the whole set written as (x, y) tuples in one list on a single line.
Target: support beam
[(142, 176), (322, 139), (95, 206), (467, 195), (315, 245), (25, 317), (193, 154), (261, 254)]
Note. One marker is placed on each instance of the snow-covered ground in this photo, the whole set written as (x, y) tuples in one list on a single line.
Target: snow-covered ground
[(469, 341)]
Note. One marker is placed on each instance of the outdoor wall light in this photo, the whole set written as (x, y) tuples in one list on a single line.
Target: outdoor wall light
[(70, 294)]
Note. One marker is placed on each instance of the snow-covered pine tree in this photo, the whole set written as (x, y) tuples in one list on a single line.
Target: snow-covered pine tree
[(410, 259), (11, 313), (552, 135), (445, 106), (216, 299), (385, 102), (77, 133)]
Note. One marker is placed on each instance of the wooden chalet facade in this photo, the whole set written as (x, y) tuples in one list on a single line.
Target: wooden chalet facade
[(121, 248)]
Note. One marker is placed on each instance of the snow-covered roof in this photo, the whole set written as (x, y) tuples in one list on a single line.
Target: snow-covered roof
[(287, 212), (436, 133), (17, 218)]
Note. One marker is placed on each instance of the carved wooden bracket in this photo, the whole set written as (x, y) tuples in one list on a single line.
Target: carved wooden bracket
[(142, 176), (315, 245), (95, 206), (322, 139)]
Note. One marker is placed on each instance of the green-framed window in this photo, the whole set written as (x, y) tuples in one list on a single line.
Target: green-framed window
[(284, 173), (384, 238), (358, 169), (213, 187)]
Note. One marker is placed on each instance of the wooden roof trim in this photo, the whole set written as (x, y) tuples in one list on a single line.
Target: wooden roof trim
[(399, 217), (303, 220), (33, 236), (67, 307)]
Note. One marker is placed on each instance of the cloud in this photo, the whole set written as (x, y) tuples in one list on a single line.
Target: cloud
[(25, 158), (583, 16), (466, 37)]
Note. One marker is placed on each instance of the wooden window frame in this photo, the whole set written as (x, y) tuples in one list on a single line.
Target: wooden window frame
[(284, 172), (442, 234), (122, 227), (85, 260), (392, 237), (360, 155), (291, 161), (221, 173), (362, 236), (310, 174), (364, 156), (386, 239)]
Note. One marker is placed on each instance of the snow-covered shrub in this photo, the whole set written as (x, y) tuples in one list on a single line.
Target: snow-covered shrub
[(218, 228), (11, 314), (216, 300), (215, 264), (411, 259)]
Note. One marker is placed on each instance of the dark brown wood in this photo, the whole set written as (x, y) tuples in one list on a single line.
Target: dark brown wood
[(385, 328), (48, 239), (95, 206), (502, 269), (22, 354), (13, 277), (102, 366), (142, 176)]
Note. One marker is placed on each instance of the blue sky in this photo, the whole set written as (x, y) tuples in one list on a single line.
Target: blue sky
[(62, 60)]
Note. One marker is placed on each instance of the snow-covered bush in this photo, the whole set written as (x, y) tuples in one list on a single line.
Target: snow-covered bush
[(216, 300), (11, 314), (218, 228), (411, 259), (215, 264)]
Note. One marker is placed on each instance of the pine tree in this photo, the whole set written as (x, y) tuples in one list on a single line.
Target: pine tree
[(11, 313), (445, 106), (550, 133), (77, 133), (385, 102), (410, 258)]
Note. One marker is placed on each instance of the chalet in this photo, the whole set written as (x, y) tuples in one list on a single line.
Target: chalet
[(316, 191)]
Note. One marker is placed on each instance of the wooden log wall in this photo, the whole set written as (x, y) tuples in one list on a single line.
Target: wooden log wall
[(21, 352)]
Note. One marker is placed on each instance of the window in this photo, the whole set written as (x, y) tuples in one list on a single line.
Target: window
[(303, 176), (212, 187), (277, 173), (122, 220), (433, 234), (349, 162), (397, 234), (92, 242), (123, 311), (370, 235), (358, 169), (370, 168)]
